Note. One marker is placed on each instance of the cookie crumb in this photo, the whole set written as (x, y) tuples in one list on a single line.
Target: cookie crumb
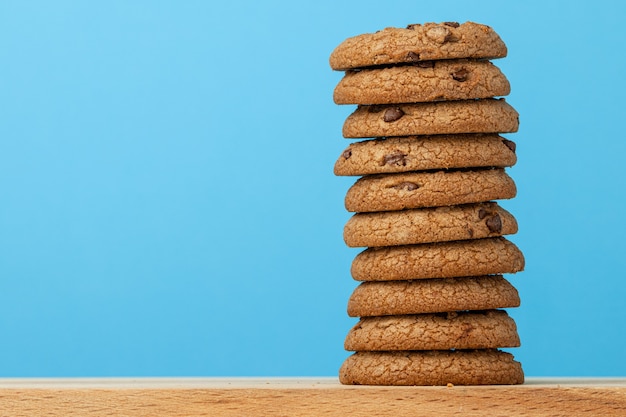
[(449, 385)]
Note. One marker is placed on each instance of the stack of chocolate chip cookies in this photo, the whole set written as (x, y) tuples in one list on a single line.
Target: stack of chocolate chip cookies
[(431, 163)]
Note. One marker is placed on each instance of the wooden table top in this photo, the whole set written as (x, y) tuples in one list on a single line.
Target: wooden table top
[(304, 397)]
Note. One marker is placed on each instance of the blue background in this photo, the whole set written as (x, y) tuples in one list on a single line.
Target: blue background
[(168, 206)]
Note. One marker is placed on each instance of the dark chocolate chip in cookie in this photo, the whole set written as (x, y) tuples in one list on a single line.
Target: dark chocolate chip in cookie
[(375, 108), (408, 186), (494, 223), (460, 75), (392, 114), (510, 144), (412, 56), (395, 158), (425, 64)]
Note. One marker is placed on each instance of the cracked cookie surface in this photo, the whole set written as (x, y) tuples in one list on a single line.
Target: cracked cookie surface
[(387, 192), (418, 153), (461, 258), (435, 367), (437, 81), (443, 117), (428, 225), (418, 42), (438, 331), (386, 298)]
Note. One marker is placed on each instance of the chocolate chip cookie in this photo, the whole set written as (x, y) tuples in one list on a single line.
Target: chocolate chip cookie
[(385, 192), (386, 298), (420, 153), (439, 80), (434, 367), (488, 329), (435, 118), (474, 257), (418, 42), (428, 225)]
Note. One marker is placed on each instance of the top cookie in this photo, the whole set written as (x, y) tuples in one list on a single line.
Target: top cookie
[(429, 41)]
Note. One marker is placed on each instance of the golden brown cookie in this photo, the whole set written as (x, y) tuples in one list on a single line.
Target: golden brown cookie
[(418, 42), (418, 153), (445, 117), (428, 225), (385, 298), (437, 331), (433, 81), (387, 192), (434, 367), (460, 258)]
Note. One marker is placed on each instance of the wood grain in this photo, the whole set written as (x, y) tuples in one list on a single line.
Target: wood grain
[(218, 397)]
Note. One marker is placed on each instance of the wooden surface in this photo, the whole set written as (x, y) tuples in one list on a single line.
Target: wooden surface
[(305, 397)]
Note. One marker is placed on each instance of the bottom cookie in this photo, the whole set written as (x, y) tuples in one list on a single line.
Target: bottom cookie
[(457, 367)]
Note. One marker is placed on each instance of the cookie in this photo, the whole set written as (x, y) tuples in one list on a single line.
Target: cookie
[(386, 298), (428, 225), (444, 117), (434, 367), (427, 81), (386, 192), (460, 258), (418, 153), (418, 42), (438, 331)]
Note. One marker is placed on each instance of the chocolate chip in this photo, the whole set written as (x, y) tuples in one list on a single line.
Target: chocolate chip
[(412, 26), (482, 213), (347, 153), (375, 108), (460, 75), (392, 114), (452, 24), (494, 223), (510, 144), (407, 185), (425, 64), (412, 56), (395, 158), (450, 37)]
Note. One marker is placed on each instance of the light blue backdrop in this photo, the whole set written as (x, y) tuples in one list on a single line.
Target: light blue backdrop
[(167, 199)]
